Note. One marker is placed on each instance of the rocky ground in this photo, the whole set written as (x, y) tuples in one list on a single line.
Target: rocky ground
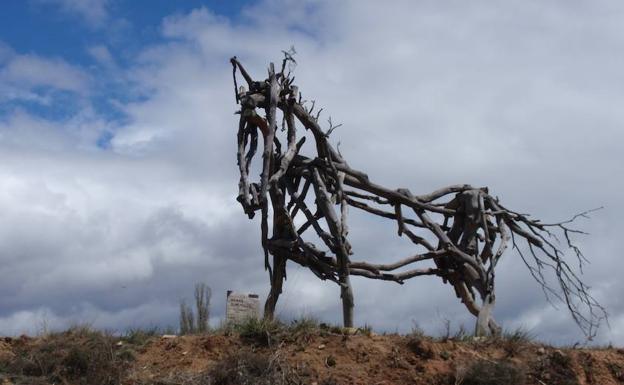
[(302, 353)]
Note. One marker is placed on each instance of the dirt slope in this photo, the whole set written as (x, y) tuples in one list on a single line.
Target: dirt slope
[(367, 360), (318, 356)]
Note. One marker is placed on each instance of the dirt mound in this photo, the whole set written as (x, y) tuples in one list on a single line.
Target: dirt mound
[(318, 356), (332, 358)]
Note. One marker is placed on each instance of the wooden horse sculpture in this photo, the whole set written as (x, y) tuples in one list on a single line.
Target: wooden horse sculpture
[(471, 233)]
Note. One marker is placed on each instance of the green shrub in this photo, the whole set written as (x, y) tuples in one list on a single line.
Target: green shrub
[(259, 331)]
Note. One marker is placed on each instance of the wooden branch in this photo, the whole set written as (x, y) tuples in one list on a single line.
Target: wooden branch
[(243, 185), (236, 63), (297, 199), (398, 214), (292, 143), (394, 196), (264, 230), (373, 198), (312, 220), (399, 277), (267, 156), (396, 265), (381, 213), (445, 191)]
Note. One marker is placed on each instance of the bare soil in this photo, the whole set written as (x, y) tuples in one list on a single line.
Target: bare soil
[(318, 357)]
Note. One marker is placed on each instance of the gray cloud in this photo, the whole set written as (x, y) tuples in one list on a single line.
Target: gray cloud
[(521, 96)]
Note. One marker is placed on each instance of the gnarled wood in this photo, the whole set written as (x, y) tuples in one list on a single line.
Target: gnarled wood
[(475, 232)]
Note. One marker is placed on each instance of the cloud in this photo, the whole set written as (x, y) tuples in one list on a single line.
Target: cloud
[(32, 71), (32, 77), (92, 12), (429, 94), (102, 55)]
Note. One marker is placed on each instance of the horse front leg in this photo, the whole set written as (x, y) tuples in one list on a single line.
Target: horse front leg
[(346, 294), (277, 281)]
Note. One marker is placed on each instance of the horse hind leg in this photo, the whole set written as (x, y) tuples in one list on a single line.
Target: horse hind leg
[(485, 324)]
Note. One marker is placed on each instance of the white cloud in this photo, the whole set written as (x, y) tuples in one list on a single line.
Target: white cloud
[(502, 95), (22, 77), (93, 12), (102, 55)]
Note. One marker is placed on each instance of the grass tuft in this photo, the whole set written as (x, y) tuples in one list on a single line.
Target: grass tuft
[(262, 332), (513, 342), (139, 336)]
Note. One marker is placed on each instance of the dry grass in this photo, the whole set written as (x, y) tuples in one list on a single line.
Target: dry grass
[(485, 372), (244, 367), (79, 355)]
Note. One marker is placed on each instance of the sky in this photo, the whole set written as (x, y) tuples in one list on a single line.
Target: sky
[(117, 149)]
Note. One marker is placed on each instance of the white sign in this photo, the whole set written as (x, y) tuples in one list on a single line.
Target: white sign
[(240, 307)]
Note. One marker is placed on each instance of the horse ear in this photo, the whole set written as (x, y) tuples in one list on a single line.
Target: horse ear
[(241, 90)]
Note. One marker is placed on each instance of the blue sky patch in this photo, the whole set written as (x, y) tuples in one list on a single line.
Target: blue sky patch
[(89, 41)]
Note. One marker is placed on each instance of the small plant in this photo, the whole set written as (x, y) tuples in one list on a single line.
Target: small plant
[(244, 367), (518, 335), (330, 329), (366, 330), (420, 347), (462, 334), (617, 371), (514, 341), (249, 368), (416, 331), (138, 336), (485, 372), (556, 368), (263, 332), (446, 333), (304, 328), (588, 364)]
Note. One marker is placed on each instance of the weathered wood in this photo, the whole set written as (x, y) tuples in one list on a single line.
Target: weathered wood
[(475, 231), (398, 264), (267, 155), (342, 255), (381, 213), (243, 184), (292, 143)]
